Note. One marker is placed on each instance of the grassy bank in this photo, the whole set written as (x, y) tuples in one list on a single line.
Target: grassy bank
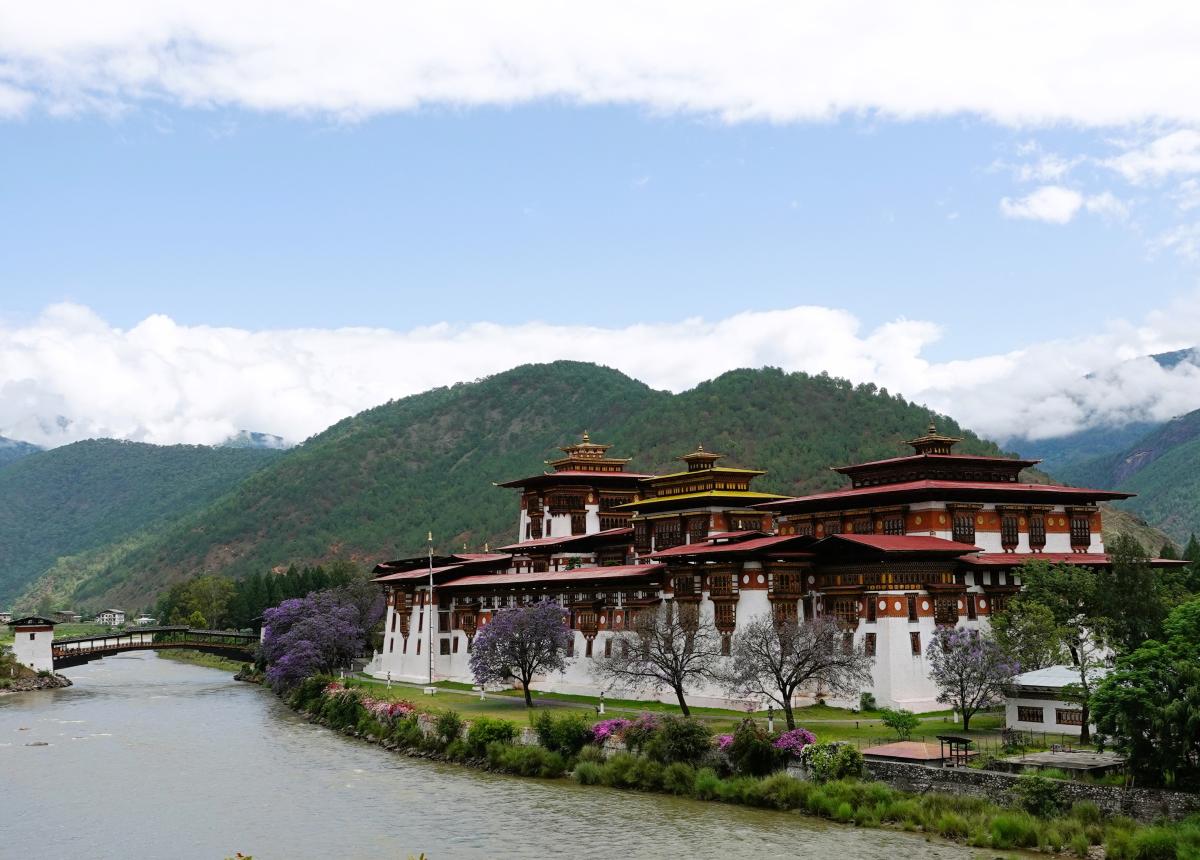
[(199, 658), (1037, 820)]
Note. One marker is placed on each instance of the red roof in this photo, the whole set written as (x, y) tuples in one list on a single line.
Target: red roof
[(1004, 487), (904, 543), (550, 541), (948, 458), (709, 548), (579, 574), (417, 573)]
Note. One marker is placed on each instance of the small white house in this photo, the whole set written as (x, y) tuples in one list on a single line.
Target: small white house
[(1036, 702), (144, 621), (111, 617), (5, 617)]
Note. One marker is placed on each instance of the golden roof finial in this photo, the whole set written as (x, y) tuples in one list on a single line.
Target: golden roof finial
[(586, 437), (699, 449), (485, 546), (932, 429)]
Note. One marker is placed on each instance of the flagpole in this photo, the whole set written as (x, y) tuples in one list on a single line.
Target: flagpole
[(432, 616)]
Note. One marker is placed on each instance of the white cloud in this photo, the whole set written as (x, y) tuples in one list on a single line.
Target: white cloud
[(1050, 203), (1177, 152), (1187, 196), (69, 375), (1183, 239), (1108, 205), (1024, 61)]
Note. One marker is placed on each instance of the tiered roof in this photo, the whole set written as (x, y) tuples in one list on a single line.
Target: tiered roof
[(586, 460)]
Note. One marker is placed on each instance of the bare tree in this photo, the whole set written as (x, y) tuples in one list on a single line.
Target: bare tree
[(775, 660), (668, 646)]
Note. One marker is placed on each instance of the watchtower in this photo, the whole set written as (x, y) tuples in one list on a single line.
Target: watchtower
[(32, 642)]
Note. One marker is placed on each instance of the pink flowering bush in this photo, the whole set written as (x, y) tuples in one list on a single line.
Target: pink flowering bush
[(724, 742), (638, 733), (791, 743), (606, 729)]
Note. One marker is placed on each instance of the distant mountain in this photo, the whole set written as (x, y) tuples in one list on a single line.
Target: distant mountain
[(89, 494), (371, 486), (1162, 467), (247, 439), (12, 450)]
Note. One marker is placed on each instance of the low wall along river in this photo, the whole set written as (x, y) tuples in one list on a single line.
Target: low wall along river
[(151, 758)]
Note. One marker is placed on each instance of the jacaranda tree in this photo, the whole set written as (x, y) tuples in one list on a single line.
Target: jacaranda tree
[(520, 643), (970, 670), (311, 635)]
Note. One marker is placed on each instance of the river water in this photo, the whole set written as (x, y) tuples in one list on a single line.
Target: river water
[(146, 757)]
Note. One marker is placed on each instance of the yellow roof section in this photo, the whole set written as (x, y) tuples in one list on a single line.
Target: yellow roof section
[(706, 494)]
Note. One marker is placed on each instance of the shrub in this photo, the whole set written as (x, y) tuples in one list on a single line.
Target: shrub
[(866, 701), (458, 750), (1038, 795), (525, 760), (791, 743), (566, 734), (638, 733), (1086, 811), (617, 772), (448, 727), (751, 752), (707, 785), (679, 778), (486, 731), (1155, 843), (679, 739), (647, 774), (1014, 831), (784, 792), (1080, 845), (836, 760), (901, 721), (587, 773), (407, 732), (952, 826), (593, 754), (844, 812)]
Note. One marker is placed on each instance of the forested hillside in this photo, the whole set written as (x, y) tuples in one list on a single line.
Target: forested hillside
[(370, 487), (1163, 468), (12, 450), (87, 495)]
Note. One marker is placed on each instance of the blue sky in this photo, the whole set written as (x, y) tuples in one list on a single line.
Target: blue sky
[(602, 214), (220, 216)]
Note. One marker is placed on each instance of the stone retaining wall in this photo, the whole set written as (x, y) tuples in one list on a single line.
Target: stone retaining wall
[(1142, 804)]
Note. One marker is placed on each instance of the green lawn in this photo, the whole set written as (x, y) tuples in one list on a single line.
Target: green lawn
[(827, 723)]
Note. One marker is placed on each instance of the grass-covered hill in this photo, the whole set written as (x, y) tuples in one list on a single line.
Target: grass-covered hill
[(1162, 467), (371, 486), (83, 496)]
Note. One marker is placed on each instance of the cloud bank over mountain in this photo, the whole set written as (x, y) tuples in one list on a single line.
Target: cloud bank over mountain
[(69, 375), (1023, 62)]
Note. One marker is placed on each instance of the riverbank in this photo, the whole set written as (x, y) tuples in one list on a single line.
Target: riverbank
[(1079, 828), (199, 658)]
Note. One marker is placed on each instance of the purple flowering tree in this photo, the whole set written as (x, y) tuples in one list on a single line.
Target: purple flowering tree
[(520, 643), (970, 670), (311, 635)]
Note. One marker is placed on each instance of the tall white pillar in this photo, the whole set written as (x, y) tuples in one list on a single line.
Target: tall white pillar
[(33, 638)]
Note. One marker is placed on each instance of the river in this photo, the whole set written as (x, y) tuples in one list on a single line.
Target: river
[(146, 757)]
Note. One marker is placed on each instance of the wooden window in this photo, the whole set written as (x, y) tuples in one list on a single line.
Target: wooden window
[(403, 644), (807, 602), (418, 646), (784, 611), (578, 524), (786, 582), (571, 646), (454, 645), (945, 610), (912, 607), (914, 641), (724, 615), (720, 585), (588, 652), (608, 647), (972, 612), (697, 528), (869, 643), (871, 609), (391, 644), (964, 527), (1008, 532), (860, 526), (1037, 531), (535, 528), (641, 536), (1081, 532), (612, 521), (804, 528), (444, 647), (893, 524), (1068, 716), (420, 620), (833, 526), (1029, 714), (725, 645), (684, 584), (393, 622), (845, 610), (667, 534)]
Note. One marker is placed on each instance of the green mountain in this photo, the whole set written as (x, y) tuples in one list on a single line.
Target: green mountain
[(87, 495), (371, 486), (12, 450), (1162, 467)]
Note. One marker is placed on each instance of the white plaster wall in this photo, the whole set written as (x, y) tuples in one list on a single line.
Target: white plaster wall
[(1048, 725), (34, 652)]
